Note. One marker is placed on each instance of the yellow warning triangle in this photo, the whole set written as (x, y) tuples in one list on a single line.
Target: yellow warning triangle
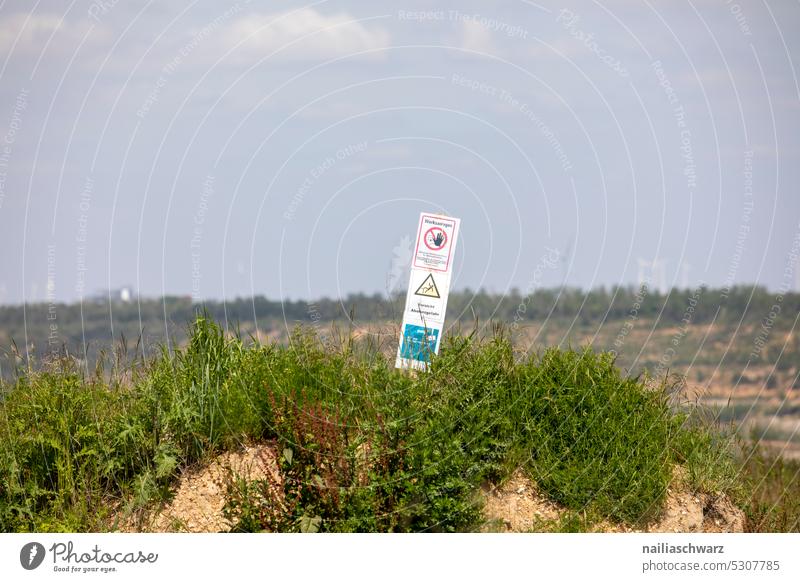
[(428, 288)]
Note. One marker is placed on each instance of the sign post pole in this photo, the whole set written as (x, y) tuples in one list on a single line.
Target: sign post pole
[(428, 288)]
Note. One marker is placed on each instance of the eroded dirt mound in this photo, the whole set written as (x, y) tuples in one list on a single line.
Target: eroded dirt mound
[(200, 493), (517, 506)]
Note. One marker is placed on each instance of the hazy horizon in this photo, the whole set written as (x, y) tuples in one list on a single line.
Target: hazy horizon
[(286, 150), (102, 297)]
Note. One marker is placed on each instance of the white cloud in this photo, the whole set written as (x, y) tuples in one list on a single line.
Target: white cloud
[(477, 37), (315, 36), (34, 31), (31, 34)]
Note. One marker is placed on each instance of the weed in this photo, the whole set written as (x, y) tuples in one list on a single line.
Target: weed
[(362, 446)]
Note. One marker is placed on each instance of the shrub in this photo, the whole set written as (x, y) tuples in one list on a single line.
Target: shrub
[(595, 438), (362, 446)]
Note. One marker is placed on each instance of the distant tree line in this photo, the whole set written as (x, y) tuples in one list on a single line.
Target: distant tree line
[(101, 324)]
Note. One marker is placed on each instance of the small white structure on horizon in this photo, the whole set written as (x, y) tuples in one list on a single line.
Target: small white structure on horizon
[(653, 274)]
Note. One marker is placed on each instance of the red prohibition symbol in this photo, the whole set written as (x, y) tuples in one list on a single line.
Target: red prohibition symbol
[(435, 238)]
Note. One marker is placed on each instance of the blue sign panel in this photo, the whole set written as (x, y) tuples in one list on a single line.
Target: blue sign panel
[(418, 342)]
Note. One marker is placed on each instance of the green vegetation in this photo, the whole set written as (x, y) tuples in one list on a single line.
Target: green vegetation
[(362, 447), (770, 494), (569, 314)]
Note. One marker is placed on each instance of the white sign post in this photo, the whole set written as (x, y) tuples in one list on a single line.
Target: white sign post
[(429, 285)]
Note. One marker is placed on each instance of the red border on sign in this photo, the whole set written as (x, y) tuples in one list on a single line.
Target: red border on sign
[(420, 236)]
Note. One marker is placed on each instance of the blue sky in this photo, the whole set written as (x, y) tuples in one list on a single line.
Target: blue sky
[(286, 149)]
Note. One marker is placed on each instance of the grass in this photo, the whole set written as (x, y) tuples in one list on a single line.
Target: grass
[(771, 495), (363, 447)]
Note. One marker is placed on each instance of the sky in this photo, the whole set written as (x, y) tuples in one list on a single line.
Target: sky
[(230, 149)]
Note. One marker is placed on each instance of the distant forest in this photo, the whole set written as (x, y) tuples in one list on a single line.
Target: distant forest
[(46, 328)]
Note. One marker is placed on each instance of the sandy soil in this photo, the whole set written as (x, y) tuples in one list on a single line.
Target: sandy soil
[(517, 506), (514, 506), (200, 493)]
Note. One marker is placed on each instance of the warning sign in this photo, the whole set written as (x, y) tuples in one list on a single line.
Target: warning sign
[(436, 239), (429, 285), (428, 288), (427, 312), (418, 342), (426, 299)]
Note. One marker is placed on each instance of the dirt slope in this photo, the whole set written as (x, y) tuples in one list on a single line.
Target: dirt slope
[(515, 506), (200, 494)]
